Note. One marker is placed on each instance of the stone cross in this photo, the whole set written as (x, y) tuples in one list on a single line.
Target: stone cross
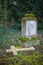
[(15, 50), (29, 25)]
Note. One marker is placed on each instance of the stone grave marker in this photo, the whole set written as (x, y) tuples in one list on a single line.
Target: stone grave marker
[(29, 26), (15, 50)]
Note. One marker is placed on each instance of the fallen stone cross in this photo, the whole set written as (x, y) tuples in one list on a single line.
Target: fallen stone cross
[(15, 50)]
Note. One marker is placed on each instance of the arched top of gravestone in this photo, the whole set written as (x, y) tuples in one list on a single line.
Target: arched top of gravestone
[(29, 17)]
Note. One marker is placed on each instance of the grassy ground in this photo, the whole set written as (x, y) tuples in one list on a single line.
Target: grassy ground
[(9, 38), (23, 58)]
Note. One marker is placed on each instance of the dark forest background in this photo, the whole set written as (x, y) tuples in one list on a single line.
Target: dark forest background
[(12, 12)]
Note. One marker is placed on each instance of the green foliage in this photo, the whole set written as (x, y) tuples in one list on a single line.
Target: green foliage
[(22, 39), (23, 59), (35, 38), (16, 11)]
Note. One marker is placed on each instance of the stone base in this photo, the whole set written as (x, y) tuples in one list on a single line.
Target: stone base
[(30, 43)]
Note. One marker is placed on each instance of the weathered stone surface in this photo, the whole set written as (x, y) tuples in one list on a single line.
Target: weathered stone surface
[(29, 26), (30, 43)]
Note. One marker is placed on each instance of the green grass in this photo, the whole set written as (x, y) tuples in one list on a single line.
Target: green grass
[(9, 38), (23, 59)]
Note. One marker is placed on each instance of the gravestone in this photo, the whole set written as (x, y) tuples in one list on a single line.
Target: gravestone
[(15, 50), (29, 30), (29, 26)]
